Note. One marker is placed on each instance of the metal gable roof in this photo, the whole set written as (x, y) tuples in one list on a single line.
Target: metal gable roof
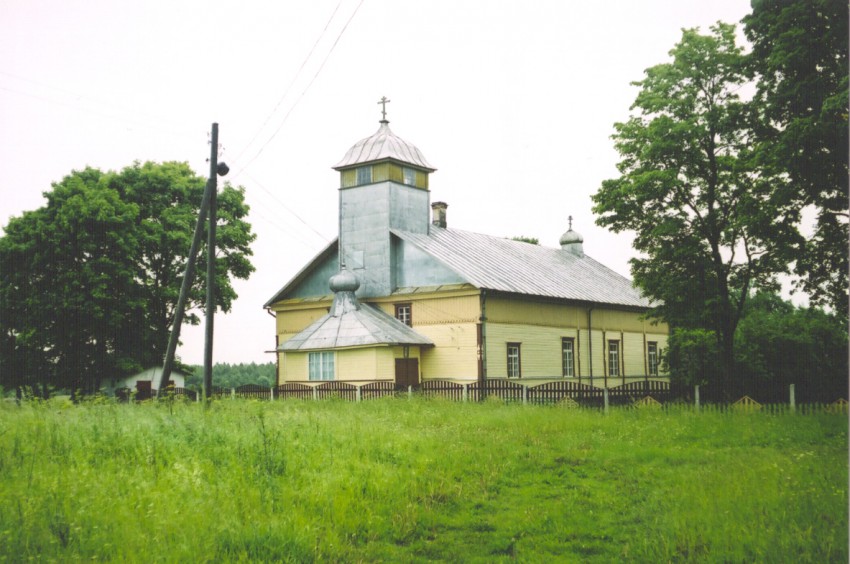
[(308, 268), (505, 265)]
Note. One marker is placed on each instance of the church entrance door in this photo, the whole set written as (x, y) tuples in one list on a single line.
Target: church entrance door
[(407, 372)]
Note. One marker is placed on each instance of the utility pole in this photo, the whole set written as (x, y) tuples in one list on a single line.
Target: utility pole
[(207, 205), (188, 276), (210, 306)]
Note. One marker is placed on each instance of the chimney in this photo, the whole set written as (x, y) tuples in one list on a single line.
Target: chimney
[(439, 214)]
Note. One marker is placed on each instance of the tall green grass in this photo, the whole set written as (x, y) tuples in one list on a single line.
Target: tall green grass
[(418, 480)]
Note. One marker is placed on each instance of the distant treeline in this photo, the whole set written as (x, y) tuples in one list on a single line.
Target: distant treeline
[(233, 375)]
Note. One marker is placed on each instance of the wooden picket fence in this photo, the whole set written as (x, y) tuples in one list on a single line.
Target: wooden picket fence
[(643, 393)]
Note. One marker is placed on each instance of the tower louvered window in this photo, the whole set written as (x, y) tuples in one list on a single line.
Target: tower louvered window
[(364, 175)]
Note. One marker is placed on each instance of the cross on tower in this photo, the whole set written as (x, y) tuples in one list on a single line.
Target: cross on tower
[(383, 101), (571, 222)]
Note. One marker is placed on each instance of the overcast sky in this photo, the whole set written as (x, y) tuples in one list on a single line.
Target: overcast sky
[(512, 101)]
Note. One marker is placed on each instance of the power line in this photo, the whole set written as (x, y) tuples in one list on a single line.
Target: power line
[(303, 92), (100, 103), (287, 208), (279, 227), (292, 83)]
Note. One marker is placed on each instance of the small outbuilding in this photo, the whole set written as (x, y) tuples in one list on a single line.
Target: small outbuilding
[(144, 383)]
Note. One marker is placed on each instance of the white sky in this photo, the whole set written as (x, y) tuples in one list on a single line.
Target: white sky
[(512, 101)]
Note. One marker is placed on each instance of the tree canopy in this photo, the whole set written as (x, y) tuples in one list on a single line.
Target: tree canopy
[(89, 282), (800, 54), (707, 221)]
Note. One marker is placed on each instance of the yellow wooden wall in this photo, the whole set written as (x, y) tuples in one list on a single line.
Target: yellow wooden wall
[(292, 318), (292, 366), (450, 319), (437, 308), (455, 355), (540, 326), (540, 350), (354, 365)]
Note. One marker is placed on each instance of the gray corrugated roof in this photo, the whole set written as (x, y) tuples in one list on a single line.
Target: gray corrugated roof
[(383, 144), (505, 265), (350, 324)]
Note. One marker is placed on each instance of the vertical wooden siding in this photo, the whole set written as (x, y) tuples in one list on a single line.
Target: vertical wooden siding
[(356, 364), (455, 354), (435, 309), (541, 354)]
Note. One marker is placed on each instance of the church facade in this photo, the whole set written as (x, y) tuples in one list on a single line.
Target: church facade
[(400, 296)]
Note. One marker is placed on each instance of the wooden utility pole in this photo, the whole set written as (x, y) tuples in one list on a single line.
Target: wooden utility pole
[(207, 205), (210, 306), (188, 277)]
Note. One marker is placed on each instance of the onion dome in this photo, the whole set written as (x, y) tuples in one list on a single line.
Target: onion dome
[(344, 281), (571, 241), (343, 285), (571, 237), (384, 144)]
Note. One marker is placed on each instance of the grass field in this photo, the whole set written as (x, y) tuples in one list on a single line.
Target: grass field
[(402, 480)]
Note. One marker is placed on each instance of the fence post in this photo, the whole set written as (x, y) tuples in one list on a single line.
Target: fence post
[(358, 394), (605, 398), (524, 395), (465, 393), (792, 396), (696, 397), (409, 392), (271, 393), (233, 393), (315, 393)]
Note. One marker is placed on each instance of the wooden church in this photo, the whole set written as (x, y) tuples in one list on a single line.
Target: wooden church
[(400, 296)]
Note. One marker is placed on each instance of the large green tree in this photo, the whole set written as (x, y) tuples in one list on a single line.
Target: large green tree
[(65, 280), (800, 52), (89, 282), (707, 222)]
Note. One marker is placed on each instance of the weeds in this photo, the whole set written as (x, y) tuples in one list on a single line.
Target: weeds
[(417, 480)]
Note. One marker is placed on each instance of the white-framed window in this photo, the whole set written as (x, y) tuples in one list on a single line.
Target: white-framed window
[(568, 359), (514, 361), (409, 176), (364, 175), (404, 313), (321, 365), (652, 357), (613, 358)]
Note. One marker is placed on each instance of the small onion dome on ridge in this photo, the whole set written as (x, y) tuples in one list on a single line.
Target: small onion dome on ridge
[(344, 281), (571, 237), (384, 144), (571, 242)]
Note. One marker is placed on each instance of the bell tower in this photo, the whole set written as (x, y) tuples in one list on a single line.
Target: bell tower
[(383, 186)]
